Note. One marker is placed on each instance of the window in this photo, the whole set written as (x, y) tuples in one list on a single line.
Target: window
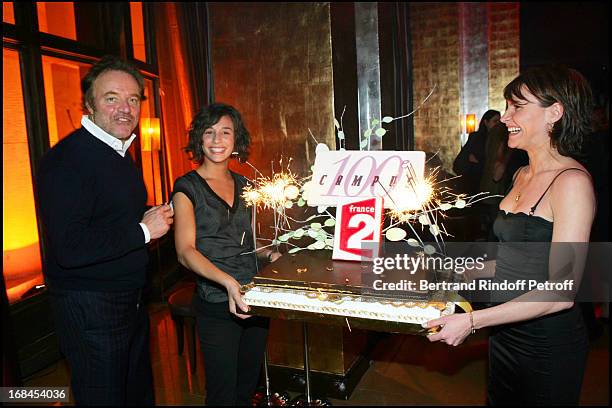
[(80, 21), (138, 37), (21, 261), (63, 96), (72, 35), (8, 14), (57, 18)]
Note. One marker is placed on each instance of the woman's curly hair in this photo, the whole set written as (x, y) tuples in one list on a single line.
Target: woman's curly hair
[(550, 84), (209, 116)]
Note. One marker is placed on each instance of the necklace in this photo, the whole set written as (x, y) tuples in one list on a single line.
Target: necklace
[(518, 196)]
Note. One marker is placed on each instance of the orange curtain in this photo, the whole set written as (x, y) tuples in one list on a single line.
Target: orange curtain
[(176, 99)]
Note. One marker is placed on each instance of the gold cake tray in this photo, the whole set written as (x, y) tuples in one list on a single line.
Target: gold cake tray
[(313, 273), (351, 322)]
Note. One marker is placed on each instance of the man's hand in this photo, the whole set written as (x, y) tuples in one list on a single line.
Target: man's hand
[(158, 220)]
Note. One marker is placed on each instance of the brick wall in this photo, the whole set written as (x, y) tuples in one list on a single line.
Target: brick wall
[(436, 53), (273, 61), (504, 50)]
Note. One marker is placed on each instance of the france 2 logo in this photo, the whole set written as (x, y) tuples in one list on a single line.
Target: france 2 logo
[(357, 235)]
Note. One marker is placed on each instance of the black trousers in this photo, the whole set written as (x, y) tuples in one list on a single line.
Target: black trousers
[(233, 352), (105, 338)]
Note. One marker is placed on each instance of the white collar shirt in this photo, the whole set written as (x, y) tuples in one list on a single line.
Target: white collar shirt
[(120, 147)]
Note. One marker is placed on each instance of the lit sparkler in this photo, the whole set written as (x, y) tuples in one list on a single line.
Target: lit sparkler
[(419, 201), (275, 192)]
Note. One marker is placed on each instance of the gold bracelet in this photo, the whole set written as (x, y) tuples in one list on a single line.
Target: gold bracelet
[(472, 329)]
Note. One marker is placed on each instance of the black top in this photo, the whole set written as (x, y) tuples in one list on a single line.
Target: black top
[(515, 259), (91, 201), (223, 233)]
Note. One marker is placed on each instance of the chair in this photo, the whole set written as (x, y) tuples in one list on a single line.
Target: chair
[(183, 315)]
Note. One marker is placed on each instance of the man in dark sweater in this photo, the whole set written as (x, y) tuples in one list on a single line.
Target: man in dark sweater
[(92, 200)]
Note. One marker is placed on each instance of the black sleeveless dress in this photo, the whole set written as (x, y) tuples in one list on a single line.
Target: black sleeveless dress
[(540, 361)]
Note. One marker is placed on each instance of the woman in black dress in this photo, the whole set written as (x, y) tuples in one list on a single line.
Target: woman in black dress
[(214, 239), (538, 346)]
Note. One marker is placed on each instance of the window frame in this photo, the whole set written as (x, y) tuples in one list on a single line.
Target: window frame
[(31, 44)]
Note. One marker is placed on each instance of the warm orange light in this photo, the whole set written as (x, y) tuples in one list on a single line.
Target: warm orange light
[(150, 134), (150, 146), (138, 38), (8, 15), (21, 261), (57, 18), (62, 80), (470, 123)]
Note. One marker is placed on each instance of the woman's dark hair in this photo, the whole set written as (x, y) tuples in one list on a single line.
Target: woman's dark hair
[(209, 116), (551, 84), (482, 128), (108, 63)]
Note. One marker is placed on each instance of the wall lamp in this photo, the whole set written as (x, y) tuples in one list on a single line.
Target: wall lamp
[(150, 134)]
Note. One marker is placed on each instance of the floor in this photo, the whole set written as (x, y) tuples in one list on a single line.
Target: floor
[(405, 370)]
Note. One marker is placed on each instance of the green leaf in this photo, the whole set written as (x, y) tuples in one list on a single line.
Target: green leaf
[(341, 135), (315, 226), (294, 250), (313, 234), (434, 230), (460, 203), (363, 143), (298, 233), (375, 122), (285, 237), (330, 222), (413, 242), (319, 245), (395, 234), (301, 202), (387, 119), (380, 132), (445, 207), (329, 242), (423, 220), (367, 133)]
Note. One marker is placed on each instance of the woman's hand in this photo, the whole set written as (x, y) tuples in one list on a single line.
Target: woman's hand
[(235, 298), (454, 328)]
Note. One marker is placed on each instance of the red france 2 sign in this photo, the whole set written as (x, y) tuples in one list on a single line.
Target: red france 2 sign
[(358, 229)]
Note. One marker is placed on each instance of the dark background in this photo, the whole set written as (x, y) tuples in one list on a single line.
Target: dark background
[(571, 33)]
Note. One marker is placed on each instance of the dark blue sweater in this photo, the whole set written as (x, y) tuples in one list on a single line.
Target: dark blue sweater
[(91, 201)]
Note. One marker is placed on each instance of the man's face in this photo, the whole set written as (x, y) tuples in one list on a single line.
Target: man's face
[(116, 98)]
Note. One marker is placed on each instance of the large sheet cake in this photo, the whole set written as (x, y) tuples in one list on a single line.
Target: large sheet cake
[(310, 286)]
